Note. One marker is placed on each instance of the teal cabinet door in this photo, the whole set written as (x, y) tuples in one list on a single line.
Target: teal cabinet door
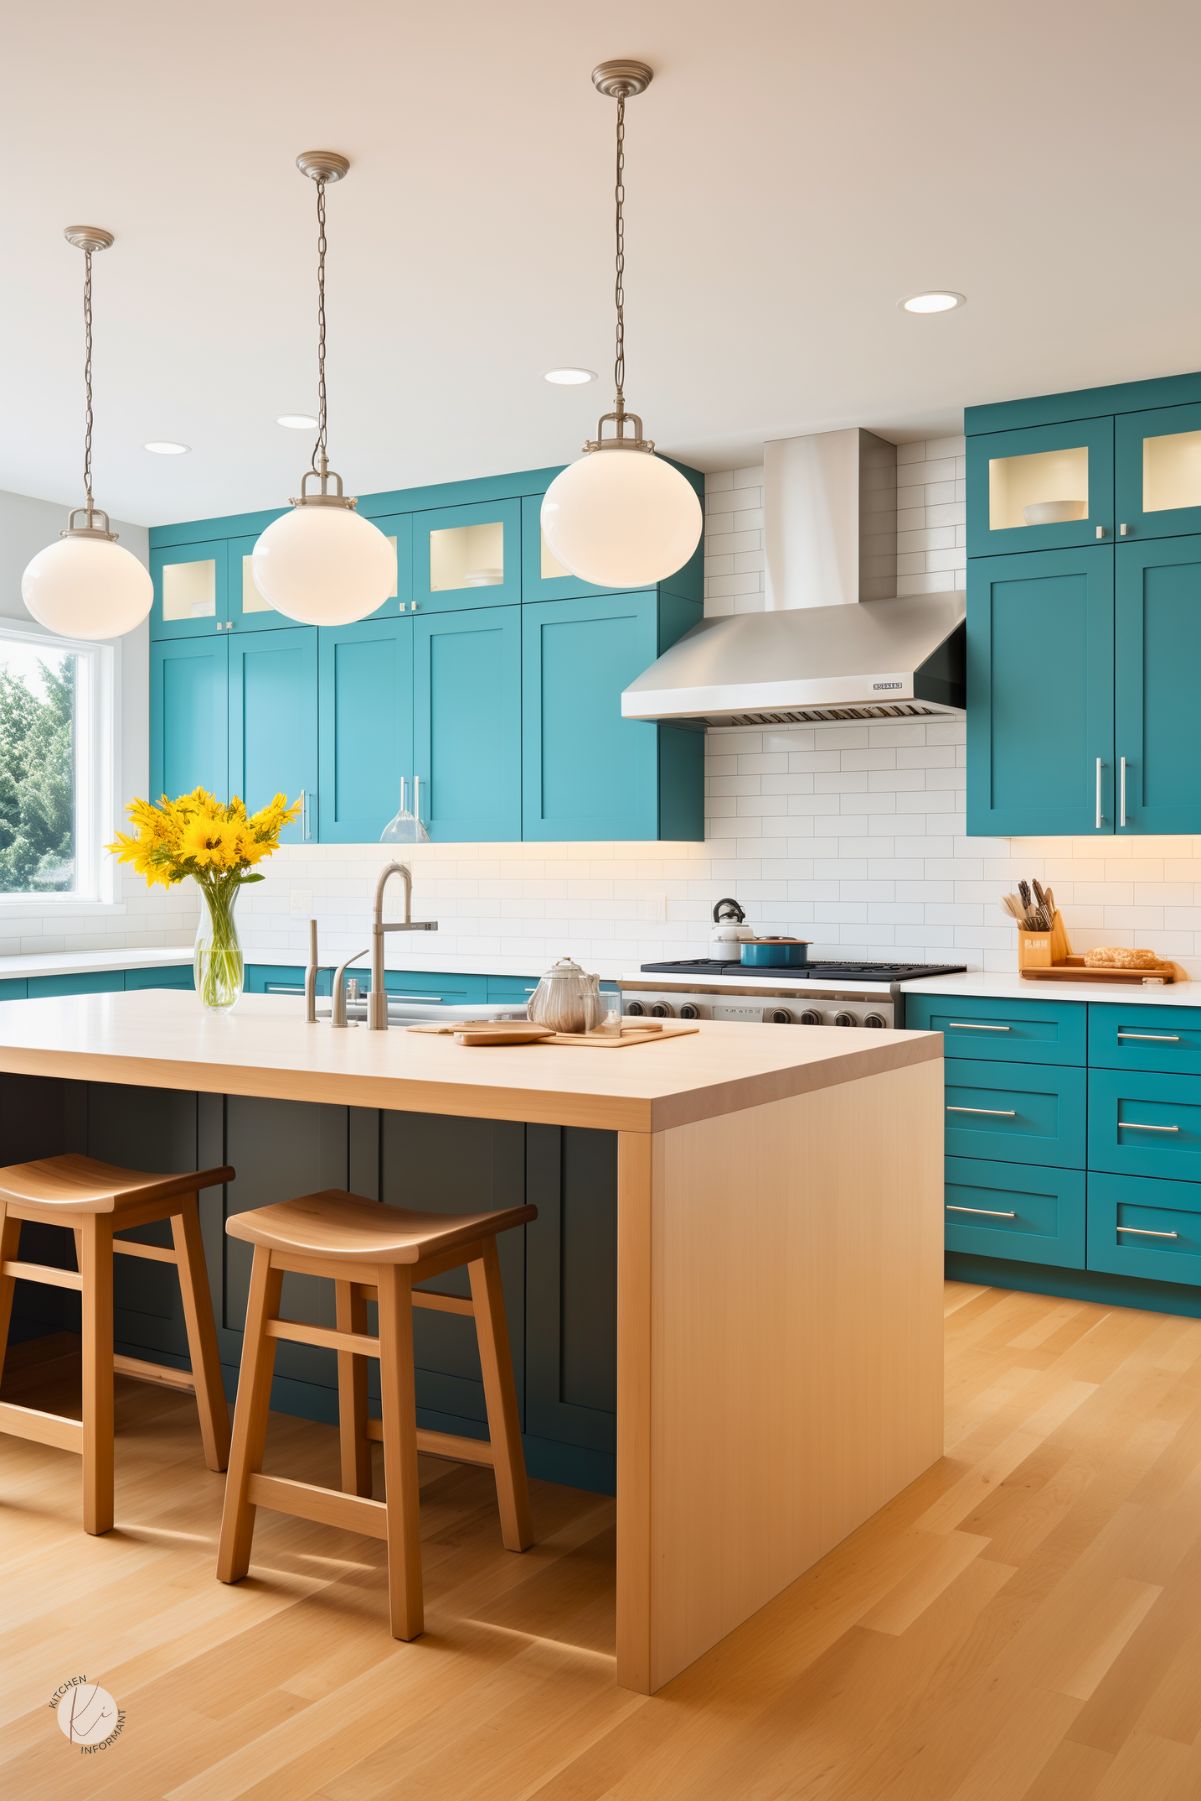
[(1144, 1125), (1001, 1031), (1015, 1113), (177, 975), (191, 590), (366, 725), (587, 773), (543, 577), (189, 715), (249, 610), (273, 722), (1040, 672), (467, 724), (96, 981), (1013, 474), (467, 556), (398, 529), (1140, 1227), (1157, 722), (1157, 472), (1132, 1035), (1031, 1214)]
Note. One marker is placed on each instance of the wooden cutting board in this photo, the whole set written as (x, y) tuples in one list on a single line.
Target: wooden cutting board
[(1074, 969), (519, 1032)]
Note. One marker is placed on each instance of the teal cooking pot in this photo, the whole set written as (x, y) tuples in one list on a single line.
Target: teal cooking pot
[(775, 953)]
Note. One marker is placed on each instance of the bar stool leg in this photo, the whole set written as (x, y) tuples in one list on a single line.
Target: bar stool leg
[(10, 1238), (401, 1487), (250, 1418), (96, 1272), (351, 1316), (500, 1398), (202, 1334)]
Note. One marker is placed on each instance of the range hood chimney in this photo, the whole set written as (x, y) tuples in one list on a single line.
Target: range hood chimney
[(834, 640)]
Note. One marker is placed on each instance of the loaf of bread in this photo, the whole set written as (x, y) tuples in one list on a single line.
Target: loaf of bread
[(1116, 956)]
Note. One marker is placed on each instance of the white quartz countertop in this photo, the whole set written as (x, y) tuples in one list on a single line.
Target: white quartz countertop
[(76, 963), (1017, 988)]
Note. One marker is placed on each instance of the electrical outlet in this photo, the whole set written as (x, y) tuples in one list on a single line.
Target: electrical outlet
[(301, 904)]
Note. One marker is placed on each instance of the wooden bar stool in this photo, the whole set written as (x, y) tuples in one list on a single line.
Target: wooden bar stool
[(96, 1201), (360, 1245)]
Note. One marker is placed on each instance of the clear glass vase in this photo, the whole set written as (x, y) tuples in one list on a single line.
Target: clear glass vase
[(217, 961)]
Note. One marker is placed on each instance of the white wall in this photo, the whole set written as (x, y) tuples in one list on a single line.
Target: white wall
[(136, 917)]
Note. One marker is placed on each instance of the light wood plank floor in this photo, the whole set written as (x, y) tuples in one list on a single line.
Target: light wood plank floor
[(1023, 1624)]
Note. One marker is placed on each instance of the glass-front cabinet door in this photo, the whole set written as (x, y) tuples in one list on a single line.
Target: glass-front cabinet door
[(543, 577), (1158, 472), (1046, 488), (249, 610), (191, 590), (467, 556)]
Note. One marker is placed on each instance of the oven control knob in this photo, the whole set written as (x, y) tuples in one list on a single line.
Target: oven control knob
[(874, 1019), (661, 1009), (690, 1010), (845, 1019), (779, 1016), (811, 1017), (636, 1008)]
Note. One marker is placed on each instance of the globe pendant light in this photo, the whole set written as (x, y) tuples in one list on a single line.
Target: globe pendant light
[(85, 585), (621, 517), (322, 563)]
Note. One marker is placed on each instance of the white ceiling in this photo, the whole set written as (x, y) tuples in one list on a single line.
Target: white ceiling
[(795, 168)]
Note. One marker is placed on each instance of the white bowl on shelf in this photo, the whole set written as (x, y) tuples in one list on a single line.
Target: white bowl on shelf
[(483, 578), (1054, 512)]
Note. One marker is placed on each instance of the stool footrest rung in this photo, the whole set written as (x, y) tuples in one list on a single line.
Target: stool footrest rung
[(326, 1506), (442, 1303), (45, 1273), (133, 1247), (56, 1429), (450, 1445), (297, 1332), (142, 1370)]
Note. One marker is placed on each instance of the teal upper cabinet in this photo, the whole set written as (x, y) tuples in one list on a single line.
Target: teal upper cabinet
[(587, 773), (189, 715), (191, 589), (467, 723), (1040, 671), (1047, 487), (1158, 472), (273, 722), (467, 556), (365, 708), (1157, 722), (248, 610)]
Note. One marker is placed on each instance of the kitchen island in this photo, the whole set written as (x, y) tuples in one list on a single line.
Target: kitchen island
[(777, 1199)]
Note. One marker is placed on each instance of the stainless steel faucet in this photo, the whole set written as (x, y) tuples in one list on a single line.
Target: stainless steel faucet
[(377, 1000)]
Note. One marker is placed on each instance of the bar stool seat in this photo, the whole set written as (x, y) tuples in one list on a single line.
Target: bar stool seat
[(95, 1201), (365, 1247)]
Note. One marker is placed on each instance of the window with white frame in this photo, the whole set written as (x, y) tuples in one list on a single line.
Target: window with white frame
[(56, 766)]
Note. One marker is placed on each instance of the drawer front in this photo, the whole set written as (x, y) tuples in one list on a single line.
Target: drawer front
[(1032, 1214), (173, 976), (517, 989), (1145, 1037), (1139, 1227), (428, 985), (97, 981), (1026, 1113), (1002, 1031), (1144, 1124)]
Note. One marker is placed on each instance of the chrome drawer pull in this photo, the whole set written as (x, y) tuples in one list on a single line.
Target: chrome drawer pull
[(990, 1212), (395, 994), (1146, 1232), (970, 1025), (1153, 1037), (1002, 1113), (1133, 1125)]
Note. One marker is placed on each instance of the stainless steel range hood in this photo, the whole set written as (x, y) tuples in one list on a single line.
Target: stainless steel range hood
[(834, 640)]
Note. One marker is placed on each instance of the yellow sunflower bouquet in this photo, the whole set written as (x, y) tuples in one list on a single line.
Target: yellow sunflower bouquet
[(217, 845)]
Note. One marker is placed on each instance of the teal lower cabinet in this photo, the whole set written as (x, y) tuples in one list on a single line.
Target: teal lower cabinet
[(177, 975), (100, 981), (587, 773), (428, 985), (1073, 1139)]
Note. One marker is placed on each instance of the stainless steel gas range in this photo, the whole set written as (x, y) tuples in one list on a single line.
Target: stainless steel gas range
[(820, 994)]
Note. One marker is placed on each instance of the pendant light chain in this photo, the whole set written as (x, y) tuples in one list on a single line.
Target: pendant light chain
[(320, 459), (87, 381), (619, 292)]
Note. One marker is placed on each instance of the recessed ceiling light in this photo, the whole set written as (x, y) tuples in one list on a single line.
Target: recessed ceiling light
[(297, 421), (569, 378), (939, 300), (163, 447)]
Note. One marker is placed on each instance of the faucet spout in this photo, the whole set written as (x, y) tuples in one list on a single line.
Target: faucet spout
[(377, 1000)]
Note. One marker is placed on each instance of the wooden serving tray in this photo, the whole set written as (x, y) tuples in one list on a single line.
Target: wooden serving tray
[(519, 1032), (1074, 969)]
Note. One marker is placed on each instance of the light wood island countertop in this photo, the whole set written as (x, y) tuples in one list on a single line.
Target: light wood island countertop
[(164, 1038)]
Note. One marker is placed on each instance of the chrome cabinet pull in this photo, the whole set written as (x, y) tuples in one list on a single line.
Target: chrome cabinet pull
[(1123, 531), (989, 1212), (1145, 1232), (971, 1025), (417, 798), (396, 994), (1153, 1037), (304, 814), (282, 988), (1100, 531), (1122, 793), (998, 1112), (1100, 815), (1134, 1125)]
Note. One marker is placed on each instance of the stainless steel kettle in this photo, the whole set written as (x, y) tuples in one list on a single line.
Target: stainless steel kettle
[(567, 999)]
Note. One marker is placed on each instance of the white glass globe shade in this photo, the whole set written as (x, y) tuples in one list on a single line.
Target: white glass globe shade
[(324, 566), (87, 588), (621, 518)]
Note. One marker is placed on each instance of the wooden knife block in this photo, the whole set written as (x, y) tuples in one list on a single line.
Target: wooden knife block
[(1040, 950)]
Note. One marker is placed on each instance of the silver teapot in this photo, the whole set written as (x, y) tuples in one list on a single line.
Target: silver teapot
[(567, 999)]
